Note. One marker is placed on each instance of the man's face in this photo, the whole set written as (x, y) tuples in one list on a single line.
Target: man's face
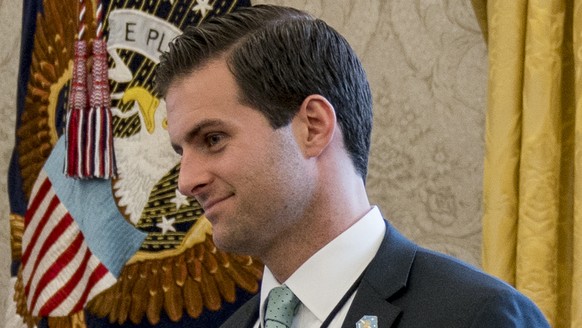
[(250, 179)]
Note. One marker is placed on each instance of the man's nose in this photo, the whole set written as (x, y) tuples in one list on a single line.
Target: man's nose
[(193, 177)]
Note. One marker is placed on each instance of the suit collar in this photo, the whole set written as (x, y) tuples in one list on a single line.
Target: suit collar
[(386, 275), (246, 316)]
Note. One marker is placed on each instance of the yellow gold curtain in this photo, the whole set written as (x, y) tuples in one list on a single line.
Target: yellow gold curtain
[(532, 189)]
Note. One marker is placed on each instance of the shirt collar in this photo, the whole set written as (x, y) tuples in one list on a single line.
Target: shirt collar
[(321, 282)]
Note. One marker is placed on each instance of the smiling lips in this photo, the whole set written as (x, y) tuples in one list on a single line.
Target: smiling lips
[(208, 204)]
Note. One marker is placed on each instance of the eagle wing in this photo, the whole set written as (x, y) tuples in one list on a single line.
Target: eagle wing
[(50, 72), (200, 277)]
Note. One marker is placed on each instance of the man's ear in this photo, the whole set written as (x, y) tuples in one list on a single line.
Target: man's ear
[(314, 125)]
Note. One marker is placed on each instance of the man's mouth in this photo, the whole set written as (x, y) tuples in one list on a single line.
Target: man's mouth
[(209, 204)]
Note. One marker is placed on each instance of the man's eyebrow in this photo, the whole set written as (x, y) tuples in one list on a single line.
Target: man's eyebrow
[(196, 130)]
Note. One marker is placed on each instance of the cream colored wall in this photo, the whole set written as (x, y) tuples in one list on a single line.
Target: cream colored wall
[(426, 62), (10, 26)]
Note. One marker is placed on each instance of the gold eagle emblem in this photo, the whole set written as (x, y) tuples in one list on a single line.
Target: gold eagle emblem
[(178, 270)]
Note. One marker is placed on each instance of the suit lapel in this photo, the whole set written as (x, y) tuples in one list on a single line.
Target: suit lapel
[(246, 316), (368, 302), (385, 276)]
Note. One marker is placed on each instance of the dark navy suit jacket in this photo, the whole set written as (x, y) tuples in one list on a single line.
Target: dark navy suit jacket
[(407, 286)]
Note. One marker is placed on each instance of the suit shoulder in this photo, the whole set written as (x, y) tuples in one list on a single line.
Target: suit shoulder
[(459, 293), (447, 269), (444, 272)]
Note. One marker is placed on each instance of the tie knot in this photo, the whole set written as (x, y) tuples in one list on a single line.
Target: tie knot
[(281, 306)]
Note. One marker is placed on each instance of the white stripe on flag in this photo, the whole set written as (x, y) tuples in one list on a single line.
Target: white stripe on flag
[(83, 284), (28, 245), (60, 273), (64, 276), (48, 259)]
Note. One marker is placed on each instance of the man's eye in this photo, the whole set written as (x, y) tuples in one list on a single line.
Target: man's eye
[(214, 139)]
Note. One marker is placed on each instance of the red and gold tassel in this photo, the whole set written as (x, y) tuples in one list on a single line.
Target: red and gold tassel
[(88, 134), (100, 145), (78, 105)]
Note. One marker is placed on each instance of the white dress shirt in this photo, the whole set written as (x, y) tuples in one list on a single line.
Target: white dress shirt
[(323, 280)]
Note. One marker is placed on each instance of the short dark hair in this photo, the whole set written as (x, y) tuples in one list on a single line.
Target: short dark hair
[(278, 57)]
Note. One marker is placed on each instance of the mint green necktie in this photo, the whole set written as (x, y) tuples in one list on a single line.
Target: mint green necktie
[(281, 307)]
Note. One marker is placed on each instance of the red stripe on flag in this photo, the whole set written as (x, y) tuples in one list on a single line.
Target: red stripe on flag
[(33, 206), (39, 228), (63, 224), (58, 265), (97, 274), (64, 292)]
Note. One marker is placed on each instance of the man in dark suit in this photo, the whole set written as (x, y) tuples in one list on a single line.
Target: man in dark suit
[(271, 112)]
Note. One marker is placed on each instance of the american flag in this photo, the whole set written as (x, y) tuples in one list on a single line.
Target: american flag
[(62, 269)]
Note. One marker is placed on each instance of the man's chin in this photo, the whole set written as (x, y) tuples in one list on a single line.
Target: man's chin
[(220, 240), (229, 243)]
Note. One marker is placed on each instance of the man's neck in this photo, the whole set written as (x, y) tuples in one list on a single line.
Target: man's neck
[(317, 229)]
